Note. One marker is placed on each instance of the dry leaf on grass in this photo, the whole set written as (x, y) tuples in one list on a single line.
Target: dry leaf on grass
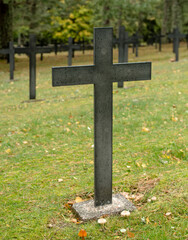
[(130, 234), (78, 199)]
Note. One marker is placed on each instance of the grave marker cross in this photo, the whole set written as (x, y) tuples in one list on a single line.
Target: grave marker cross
[(176, 35), (71, 48), (10, 51), (32, 50), (102, 74), (122, 48), (158, 38), (135, 41)]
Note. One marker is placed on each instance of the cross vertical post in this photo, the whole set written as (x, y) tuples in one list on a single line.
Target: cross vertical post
[(11, 60), (10, 51), (103, 118), (122, 48), (32, 66), (71, 48), (70, 42)]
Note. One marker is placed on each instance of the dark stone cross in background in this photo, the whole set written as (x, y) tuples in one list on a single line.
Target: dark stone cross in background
[(102, 74), (10, 51), (158, 38), (71, 48), (135, 41), (122, 42), (176, 35), (32, 50)]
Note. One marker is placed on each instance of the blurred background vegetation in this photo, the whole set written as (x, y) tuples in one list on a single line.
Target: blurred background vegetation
[(56, 20)]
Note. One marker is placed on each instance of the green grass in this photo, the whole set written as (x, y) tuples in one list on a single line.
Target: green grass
[(41, 142)]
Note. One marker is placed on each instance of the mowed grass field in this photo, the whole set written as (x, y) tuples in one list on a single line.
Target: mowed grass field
[(47, 154)]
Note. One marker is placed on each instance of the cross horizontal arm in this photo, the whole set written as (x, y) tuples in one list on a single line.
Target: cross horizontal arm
[(22, 50), (131, 72), (4, 51), (74, 75), (43, 49)]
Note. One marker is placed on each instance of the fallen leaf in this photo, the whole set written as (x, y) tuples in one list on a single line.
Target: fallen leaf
[(130, 234), (74, 220), (144, 129), (153, 198), (101, 221), (82, 233), (8, 151), (144, 165), (174, 119), (147, 220), (125, 213), (49, 225), (78, 199), (168, 213)]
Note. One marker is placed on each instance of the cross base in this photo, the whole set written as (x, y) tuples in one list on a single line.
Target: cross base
[(87, 211), (33, 100)]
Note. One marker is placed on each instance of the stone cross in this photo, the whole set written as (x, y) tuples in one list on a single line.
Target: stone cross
[(135, 41), (186, 36), (10, 51), (32, 50), (71, 48), (102, 74), (122, 48), (176, 35), (158, 38)]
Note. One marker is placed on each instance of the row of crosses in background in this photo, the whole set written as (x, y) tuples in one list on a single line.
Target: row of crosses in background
[(102, 74), (123, 41)]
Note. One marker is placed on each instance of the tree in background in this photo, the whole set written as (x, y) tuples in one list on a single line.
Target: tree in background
[(175, 15), (6, 30), (77, 25), (59, 19)]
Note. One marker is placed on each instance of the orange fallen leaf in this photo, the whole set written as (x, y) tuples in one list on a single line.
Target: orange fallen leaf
[(130, 234), (82, 234)]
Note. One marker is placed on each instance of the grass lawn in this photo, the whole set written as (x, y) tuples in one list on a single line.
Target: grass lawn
[(46, 151)]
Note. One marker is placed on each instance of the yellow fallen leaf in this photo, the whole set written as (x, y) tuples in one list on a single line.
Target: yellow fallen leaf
[(69, 123), (144, 165), (67, 129), (138, 164), (8, 151), (144, 129), (174, 119), (147, 220), (78, 199)]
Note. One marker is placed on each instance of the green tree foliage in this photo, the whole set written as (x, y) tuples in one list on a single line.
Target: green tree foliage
[(77, 25), (6, 15), (60, 19)]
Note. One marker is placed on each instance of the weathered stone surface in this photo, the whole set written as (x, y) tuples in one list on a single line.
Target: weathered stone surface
[(86, 210)]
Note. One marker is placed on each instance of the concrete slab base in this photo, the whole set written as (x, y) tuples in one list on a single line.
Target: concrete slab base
[(87, 211)]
